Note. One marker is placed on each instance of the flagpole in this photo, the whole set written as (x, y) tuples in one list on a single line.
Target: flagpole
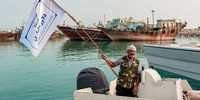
[(87, 36), (90, 39)]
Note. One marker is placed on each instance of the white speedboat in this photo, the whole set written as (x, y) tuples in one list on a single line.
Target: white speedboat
[(180, 59), (151, 87)]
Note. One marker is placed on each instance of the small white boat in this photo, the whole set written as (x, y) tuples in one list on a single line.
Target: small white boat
[(180, 59), (151, 87)]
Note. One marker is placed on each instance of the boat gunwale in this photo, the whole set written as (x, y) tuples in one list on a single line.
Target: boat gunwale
[(184, 48)]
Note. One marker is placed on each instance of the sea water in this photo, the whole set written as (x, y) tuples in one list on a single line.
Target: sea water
[(52, 75)]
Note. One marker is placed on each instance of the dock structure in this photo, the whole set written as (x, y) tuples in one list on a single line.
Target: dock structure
[(190, 32)]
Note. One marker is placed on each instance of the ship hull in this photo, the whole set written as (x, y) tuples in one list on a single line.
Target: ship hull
[(78, 34), (138, 36), (143, 35), (96, 35), (70, 33), (4, 36)]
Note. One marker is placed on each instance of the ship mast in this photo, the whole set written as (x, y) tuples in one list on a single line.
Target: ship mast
[(153, 16), (147, 23), (104, 19)]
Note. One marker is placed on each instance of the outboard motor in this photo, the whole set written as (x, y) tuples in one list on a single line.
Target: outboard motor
[(94, 78)]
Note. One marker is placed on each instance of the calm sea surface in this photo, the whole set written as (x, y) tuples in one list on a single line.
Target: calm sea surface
[(52, 75)]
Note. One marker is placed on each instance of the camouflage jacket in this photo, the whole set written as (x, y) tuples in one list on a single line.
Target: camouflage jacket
[(127, 75)]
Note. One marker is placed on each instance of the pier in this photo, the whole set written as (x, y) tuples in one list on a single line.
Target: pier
[(190, 32)]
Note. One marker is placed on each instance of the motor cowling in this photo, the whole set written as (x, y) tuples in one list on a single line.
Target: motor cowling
[(93, 78)]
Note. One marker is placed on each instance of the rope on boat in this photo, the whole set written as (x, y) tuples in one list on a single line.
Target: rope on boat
[(94, 37), (78, 34)]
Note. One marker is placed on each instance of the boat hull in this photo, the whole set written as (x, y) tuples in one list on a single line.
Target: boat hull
[(163, 89), (70, 33), (4, 36), (137, 36), (78, 34), (182, 61), (118, 35), (159, 34), (96, 35)]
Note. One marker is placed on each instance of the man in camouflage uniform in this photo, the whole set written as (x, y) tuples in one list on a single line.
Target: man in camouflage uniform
[(128, 78)]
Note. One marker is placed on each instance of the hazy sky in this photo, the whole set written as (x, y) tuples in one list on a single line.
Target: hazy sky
[(14, 12)]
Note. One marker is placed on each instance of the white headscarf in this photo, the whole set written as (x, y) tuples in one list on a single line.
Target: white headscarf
[(131, 47)]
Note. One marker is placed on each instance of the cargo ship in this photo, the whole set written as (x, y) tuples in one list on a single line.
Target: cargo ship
[(77, 33), (128, 29)]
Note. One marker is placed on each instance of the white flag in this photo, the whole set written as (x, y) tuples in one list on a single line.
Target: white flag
[(44, 18)]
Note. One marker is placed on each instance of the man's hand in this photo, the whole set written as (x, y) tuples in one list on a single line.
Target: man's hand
[(108, 61), (135, 90), (105, 57)]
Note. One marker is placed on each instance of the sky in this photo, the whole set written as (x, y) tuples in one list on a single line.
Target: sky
[(13, 13)]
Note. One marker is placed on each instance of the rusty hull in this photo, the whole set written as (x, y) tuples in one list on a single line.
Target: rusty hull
[(163, 34)]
